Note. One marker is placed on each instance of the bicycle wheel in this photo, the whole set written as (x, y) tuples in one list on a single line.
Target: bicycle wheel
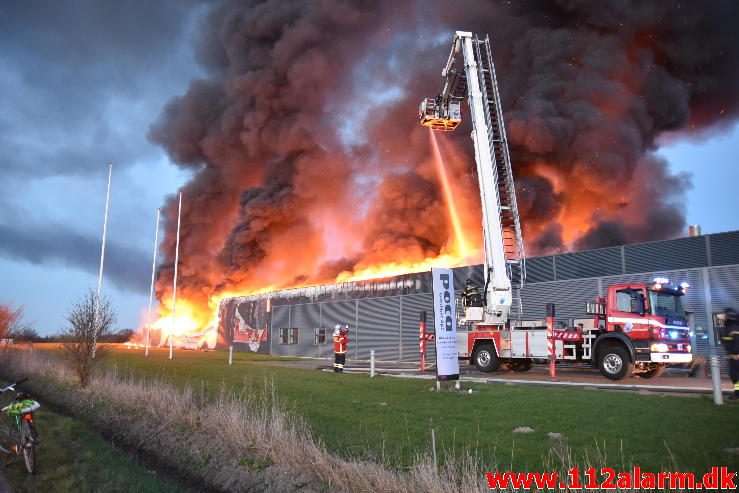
[(28, 445)]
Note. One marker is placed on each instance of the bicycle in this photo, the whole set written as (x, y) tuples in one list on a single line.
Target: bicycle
[(20, 412)]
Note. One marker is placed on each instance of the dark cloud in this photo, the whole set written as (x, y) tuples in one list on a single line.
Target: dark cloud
[(80, 82), (125, 267), (82, 79)]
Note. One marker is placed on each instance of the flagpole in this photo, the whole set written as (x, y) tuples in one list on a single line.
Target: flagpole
[(151, 289), (102, 261), (174, 291)]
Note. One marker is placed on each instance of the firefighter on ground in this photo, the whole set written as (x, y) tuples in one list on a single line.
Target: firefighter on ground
[(730, 340), (471, 295), (341, 340)]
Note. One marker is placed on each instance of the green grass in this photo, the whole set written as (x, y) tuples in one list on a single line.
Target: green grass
[(71, 458), (390, 418)]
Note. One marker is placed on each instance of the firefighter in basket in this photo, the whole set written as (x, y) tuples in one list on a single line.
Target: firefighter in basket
[(341, 340), (471, 295)]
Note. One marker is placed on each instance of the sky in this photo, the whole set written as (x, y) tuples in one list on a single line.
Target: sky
[(714, 168), (80, 85)]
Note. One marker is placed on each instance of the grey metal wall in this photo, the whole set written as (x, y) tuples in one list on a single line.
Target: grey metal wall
[(669, 255), (412, 306), (389, 325), (384, 314), (569, 298)]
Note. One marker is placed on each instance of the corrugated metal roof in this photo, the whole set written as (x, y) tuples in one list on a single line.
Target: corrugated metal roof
[(591, 263), (684, 253), (539, 269), (725, 248)]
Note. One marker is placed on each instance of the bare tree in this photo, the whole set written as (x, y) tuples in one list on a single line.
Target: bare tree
[(89, 322)]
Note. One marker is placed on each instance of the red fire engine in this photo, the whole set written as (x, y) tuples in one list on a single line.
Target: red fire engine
[(636, 328)]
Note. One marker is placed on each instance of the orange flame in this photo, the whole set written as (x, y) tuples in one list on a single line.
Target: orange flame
[(193, 320)]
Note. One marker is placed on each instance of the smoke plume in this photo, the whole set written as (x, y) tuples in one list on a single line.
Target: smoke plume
[(308, 160)]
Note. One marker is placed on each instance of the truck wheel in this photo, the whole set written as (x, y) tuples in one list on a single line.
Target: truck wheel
[(485, 358), (654, 372), (614, 363)]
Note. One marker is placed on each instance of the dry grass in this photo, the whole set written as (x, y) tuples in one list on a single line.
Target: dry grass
[(238, 442), (232, 443)]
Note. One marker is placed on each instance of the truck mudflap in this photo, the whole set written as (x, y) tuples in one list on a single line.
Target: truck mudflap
[(671, 358)]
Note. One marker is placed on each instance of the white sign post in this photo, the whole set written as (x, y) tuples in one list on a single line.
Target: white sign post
[(445, 325)]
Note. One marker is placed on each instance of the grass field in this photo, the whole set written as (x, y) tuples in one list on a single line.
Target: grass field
[(71, 458), (389, 419)]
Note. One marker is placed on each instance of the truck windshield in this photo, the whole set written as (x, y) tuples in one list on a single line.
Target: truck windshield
[(666, 304)]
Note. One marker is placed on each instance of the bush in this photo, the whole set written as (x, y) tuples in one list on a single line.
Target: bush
[(90, 321), (10, 320)]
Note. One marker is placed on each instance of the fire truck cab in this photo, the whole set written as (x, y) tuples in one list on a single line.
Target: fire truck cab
[(650, 322)]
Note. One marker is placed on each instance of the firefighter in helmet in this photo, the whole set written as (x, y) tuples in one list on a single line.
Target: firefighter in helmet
[(730, 340), (341, 340), (471, 295)]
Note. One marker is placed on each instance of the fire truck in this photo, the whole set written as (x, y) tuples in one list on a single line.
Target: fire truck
[(636, 328)]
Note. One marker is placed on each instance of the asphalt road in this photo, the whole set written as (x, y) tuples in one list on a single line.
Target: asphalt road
[(673, 381)]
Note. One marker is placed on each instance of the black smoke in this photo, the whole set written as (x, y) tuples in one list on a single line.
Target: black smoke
[(303, 133)]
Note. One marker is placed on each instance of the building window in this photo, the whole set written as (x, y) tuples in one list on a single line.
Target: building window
[(320, 337), (288, 336)]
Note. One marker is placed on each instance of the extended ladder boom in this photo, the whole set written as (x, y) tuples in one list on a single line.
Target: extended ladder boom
[(504, 255)]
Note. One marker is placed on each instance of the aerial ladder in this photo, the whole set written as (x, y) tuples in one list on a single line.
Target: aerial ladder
[(505, 268), (637, 328)]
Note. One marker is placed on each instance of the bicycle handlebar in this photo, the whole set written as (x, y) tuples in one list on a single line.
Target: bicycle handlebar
[(13, 385)]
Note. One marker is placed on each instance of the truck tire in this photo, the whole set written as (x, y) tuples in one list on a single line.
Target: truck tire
[(614, 362), (485, 358), (654, 372)]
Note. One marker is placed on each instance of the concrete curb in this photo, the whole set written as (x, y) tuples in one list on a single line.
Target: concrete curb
[(549, 383)]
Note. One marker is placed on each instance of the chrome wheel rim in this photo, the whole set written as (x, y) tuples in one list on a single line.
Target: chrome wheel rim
[(483, 358), (613, 364)]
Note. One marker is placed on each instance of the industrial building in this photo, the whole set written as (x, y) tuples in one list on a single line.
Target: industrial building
[(384, 313)]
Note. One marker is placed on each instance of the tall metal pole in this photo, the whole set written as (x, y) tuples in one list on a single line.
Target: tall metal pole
[(151, 289), (102, 262), (718, 397), (550, 340), (174, 291)]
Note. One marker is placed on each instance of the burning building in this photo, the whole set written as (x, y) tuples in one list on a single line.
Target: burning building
[(308, 165)]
